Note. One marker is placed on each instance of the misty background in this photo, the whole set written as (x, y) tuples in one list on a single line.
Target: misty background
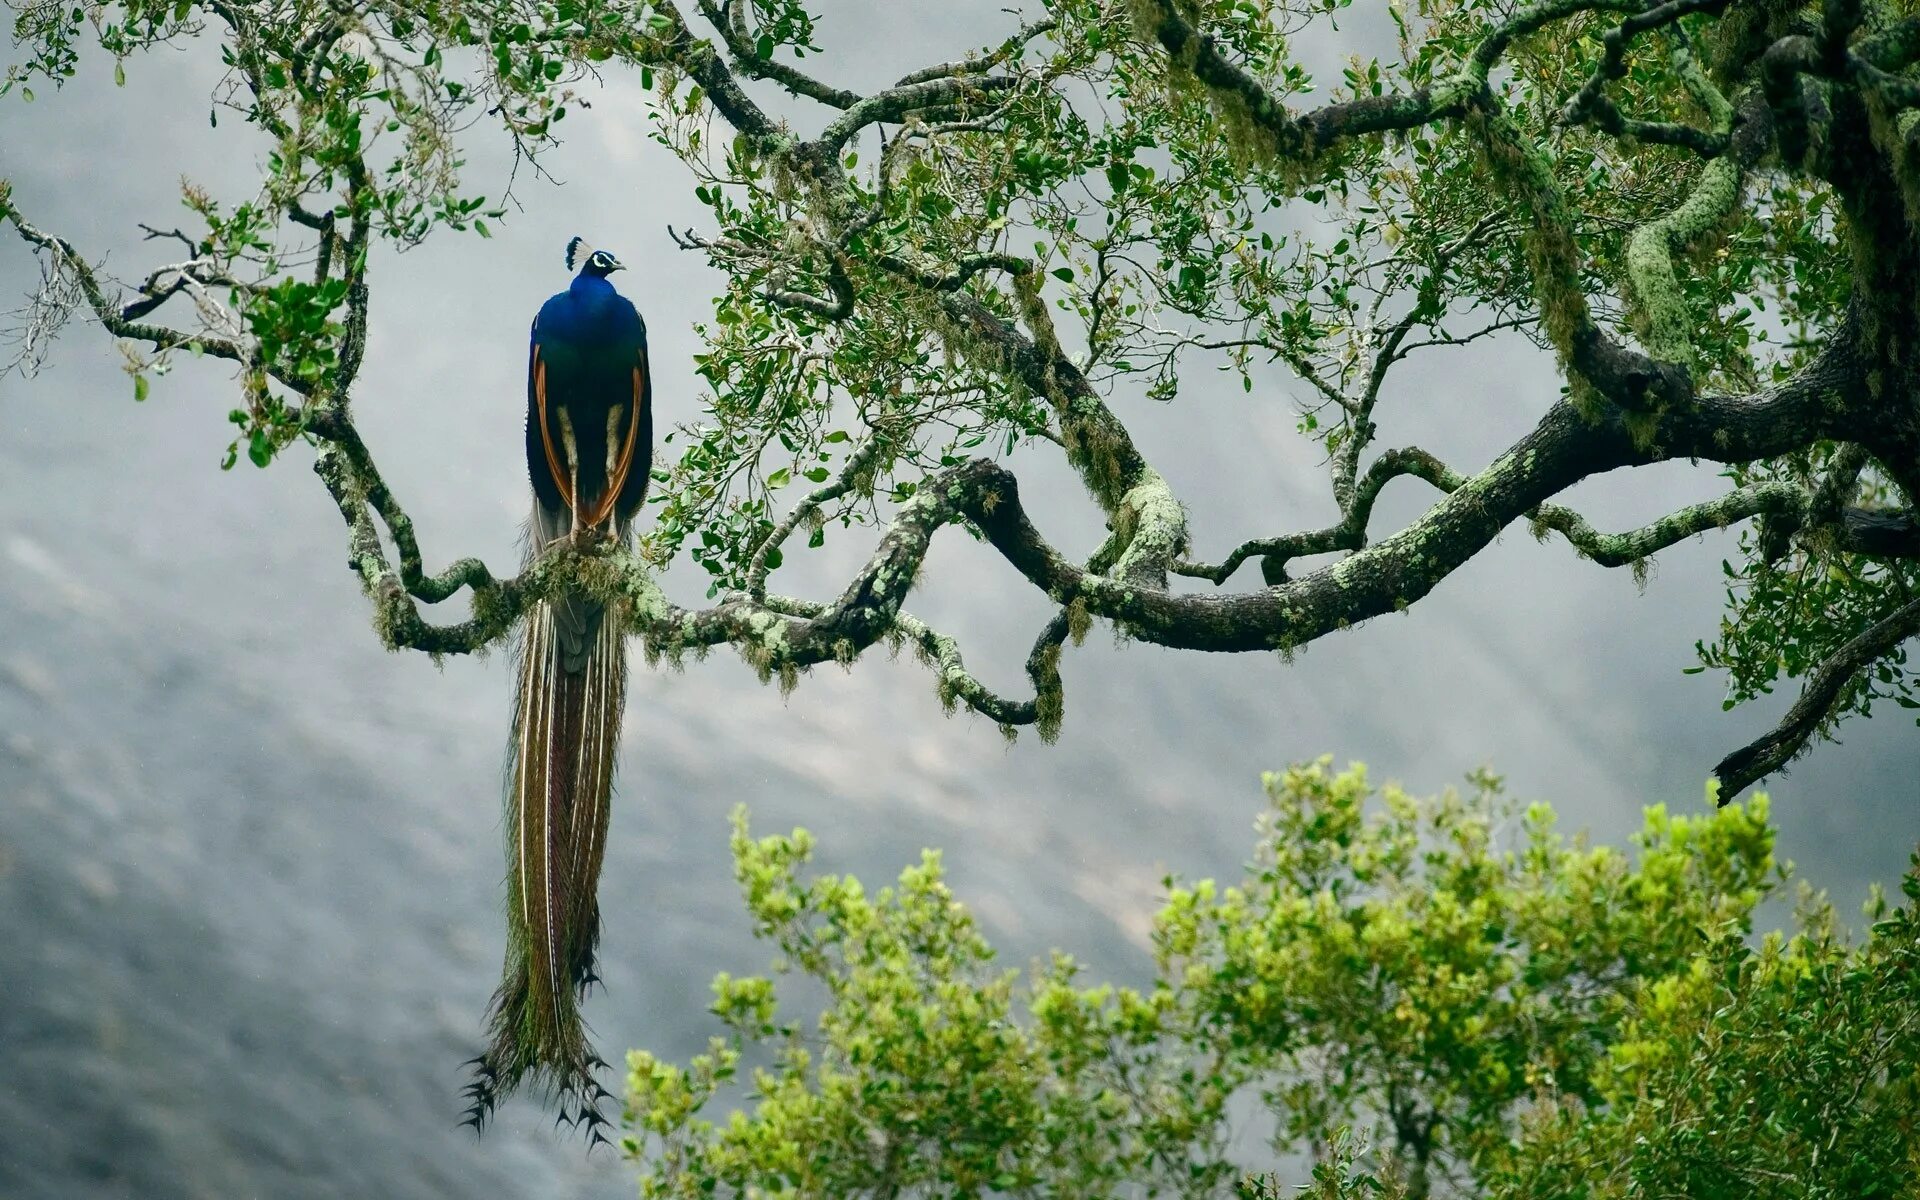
[(250, 863)]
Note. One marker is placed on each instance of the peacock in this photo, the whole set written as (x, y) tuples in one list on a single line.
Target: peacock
[(589, 454)]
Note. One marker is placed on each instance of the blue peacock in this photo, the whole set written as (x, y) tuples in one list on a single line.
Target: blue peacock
[(589, 454)]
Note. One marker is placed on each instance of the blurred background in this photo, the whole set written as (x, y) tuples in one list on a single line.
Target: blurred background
[(250, 863)]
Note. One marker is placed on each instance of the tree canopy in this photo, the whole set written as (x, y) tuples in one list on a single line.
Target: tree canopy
[(1705, 212), (1439, 995)]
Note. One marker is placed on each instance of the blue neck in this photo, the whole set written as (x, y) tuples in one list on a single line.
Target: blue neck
[(587, 284)]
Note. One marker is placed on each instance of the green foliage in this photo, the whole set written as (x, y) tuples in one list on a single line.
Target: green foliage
[(1448, 978), (1493, 1007), (1788, 612), (1784, 1070), (919, 1075)]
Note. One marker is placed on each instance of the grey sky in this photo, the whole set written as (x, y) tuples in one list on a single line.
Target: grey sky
[(249, 862)]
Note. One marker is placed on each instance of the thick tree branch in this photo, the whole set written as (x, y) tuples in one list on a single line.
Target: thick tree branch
[(1880, 533), (1387, 575)]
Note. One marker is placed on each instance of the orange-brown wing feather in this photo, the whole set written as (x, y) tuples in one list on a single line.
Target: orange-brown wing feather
[(561, 480), (618, 481)]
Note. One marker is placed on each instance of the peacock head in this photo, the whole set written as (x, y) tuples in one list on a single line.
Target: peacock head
[(597, 263)]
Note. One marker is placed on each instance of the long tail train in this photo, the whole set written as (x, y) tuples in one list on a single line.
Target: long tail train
[(567, 709)]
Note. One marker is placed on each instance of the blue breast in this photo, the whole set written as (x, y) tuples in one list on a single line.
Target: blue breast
[(589, 326)]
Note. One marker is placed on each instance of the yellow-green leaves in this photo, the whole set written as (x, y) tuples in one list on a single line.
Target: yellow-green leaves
[(1449, 980)]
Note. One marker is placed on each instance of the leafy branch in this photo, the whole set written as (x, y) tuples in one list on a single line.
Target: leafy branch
[(999, 255)]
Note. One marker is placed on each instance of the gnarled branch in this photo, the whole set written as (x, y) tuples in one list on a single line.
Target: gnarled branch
[(1789, 739)]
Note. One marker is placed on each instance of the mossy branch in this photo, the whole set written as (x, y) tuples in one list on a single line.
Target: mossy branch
[(1350, 533), (1633, 547), (1591, 104), (1629, 548), (1659, 303)]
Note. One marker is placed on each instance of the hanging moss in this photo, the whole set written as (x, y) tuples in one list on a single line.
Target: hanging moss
[(1078, 621), (1049, 698), (1553, 257), (1658, 303)]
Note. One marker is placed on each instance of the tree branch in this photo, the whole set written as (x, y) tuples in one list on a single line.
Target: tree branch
[(898, 102), (114, 319), (1348, 534), (1590, 105), (698, 59), (1788, 740), (850, 473), (1307, 136), (1634, 546), (1878, 533), (747, 60)]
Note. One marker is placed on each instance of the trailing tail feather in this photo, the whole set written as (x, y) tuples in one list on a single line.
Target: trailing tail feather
[(566, 727)]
